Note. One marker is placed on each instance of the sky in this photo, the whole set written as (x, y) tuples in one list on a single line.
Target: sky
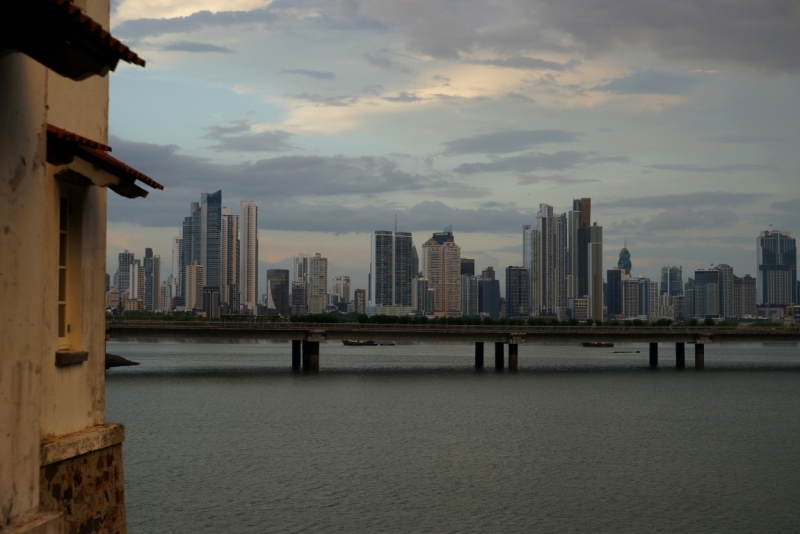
[(680, 120)]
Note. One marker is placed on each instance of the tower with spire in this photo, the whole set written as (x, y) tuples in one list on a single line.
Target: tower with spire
[(624, 262)]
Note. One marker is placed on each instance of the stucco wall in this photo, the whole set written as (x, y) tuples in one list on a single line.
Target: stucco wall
[(23, 235)]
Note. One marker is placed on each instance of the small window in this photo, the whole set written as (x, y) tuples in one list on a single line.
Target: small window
[(63, 245), (70, 292)]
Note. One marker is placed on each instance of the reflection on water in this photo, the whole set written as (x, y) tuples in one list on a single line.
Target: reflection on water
[(410, 438)]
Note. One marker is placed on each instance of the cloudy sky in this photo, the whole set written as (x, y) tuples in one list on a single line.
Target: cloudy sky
[(680, 119)]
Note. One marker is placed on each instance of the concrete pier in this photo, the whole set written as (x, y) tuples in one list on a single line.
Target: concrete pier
[(680, 355), (499, 356), (479, 355), (296, 353), (306, 354), (513, 356), (313, 360), (699, 356), (653, 354)]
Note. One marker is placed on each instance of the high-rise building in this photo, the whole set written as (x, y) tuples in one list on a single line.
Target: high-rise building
[(360, 301), (317, 283), (469, 294), (749, 293), (706, 297), (578, 221), (299, 297), (190, 243), (614, 293), (545, 258), (124, 271), (422, 296), (679, 307), (211, 301), (415, 260), (517, 292), (248, 256), (442, 260), (624, 262), (594, 259), (165, 299), (136, 281), (229, 260), (210, 227), (341, 288), (689, 291), (671, 281), (777, 268), (726, 302), (194, 286), (176, 282), (630, 296), (649, 299), (152, 281), (489, 294), (278, 292), (467, 266), (391, 268)]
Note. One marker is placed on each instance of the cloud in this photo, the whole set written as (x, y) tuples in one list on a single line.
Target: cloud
[(526, 63), (791, 206), (507, 141), (684, 218), (650, 82), (687, 167), (238, 136), (326, 100), (535, 161), (703, 198), (520, 98), (190, 46), (317, 75), (403, 97), (139, 28), (761, 35), (739, 139), (557, 179), (383, 61)]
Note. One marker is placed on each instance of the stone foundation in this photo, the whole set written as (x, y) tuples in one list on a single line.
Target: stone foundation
[(88, 489)]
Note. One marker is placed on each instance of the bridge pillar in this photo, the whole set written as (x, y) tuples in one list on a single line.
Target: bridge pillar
[(680, 355), (499, 356), (313, 363), (513, 356), (306, 354), (479, 355), (699, 356), (296, 353), (653, 354)]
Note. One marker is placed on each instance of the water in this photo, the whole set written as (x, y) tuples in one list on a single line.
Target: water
[(409, 438)]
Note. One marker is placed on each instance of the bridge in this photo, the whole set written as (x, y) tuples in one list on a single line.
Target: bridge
[(306, 337)]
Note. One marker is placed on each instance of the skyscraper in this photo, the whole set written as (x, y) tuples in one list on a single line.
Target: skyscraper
[(489, 294), (749, 296), (248, 256), (614, 296), (706, 297), (578, 221), (299, 297), (545, 259), (210, 227), (229, 260), (671, 281), (176, 280), (467, 266), (594, 271), (194, 286), (124, 271), (469, 294), (360, 301), (777, 268), (317, 283), (624, 262), (341, 288), (391, 268), (726, 303), (278, 291), (152, 281), (442, 260), (517, 292), (630, 297)]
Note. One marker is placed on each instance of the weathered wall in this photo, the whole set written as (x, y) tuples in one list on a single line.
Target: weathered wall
[(23, 236), (88, 489)]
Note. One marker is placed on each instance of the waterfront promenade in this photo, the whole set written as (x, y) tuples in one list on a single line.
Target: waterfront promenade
[(306, 337)]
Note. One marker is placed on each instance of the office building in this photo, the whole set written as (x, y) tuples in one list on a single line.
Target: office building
[(299, 297), (489, 294), (594, 271), (360, 301), (229, 260), (726, 302), (679, 308), (517, 279), (749, 296), (211, 301), (630, 297), (614, 292), (123, 271), (689, 290), (165, 298), (391, 268), (469, 294), (624, 262), (175, 280), (210, 227), (278, 292), (578, 222), (135, 281), (415, 260), (248, 256), (777, 268), (317, 284), (194, 286), (467, 266), (545, 258), (442, 261), (707, 293), (422, 296), (649, 301), (671, 281), (152, 281)]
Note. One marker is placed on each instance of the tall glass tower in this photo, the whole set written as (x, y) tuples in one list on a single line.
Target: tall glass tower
[(624, 262)]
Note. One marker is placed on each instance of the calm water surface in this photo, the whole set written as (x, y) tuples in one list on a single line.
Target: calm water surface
[(409, 438)]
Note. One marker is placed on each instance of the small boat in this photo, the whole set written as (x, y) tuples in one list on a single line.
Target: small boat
[(597, 344), (387, 343), (359, 343)]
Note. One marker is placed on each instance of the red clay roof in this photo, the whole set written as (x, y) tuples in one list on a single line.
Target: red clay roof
[(97, 154), (96, 30)]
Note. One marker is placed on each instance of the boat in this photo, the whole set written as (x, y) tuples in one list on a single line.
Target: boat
[(597, 344), (359, 343), (387, 343)]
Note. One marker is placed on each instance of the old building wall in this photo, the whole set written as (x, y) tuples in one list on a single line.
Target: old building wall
[(23, 236)]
